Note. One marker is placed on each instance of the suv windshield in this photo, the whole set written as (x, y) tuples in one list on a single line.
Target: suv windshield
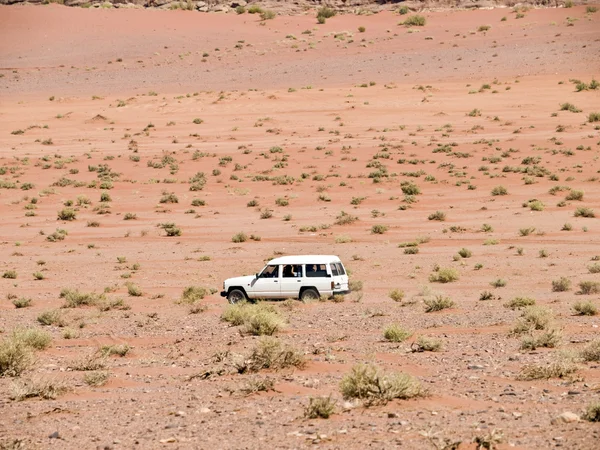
[(270, 272)]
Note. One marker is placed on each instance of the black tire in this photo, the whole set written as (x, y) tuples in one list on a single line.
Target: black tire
[(309, 294), (235, 296)]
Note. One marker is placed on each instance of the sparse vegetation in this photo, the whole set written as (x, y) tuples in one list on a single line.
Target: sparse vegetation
[(444, 275), (586, 308), (320, 408), (437, 303), (396, 333), (563, 284), (271, 353), (368, 383)]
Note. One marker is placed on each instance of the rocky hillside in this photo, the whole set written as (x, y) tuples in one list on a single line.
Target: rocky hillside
[(289, 7)]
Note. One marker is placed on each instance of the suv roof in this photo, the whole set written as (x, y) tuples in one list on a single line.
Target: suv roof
[(305, 259)]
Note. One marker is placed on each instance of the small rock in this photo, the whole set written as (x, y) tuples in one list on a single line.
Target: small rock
[(54, 435), (180, 414), (566, 417), (204, 410), (476, 367), (517, 415)]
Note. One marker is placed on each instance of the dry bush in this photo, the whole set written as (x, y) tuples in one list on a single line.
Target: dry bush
[(96, 379), (93, 361), (444, 275), (557, 369), (396, 333), (591, 352), (117, 349), (192, 294), (257, 319), (438, 303), (45, 388), (258, 385), (520, 302), (397, 295), (549, 339), (585, 309), (368, 383), (426, 344), (74, 298), (592, 412), (15, 357), (533, 318), (589, 287), (320, 408), (32, 337), (270, 353)]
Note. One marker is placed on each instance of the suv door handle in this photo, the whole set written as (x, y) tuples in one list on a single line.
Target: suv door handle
[(276, 281)]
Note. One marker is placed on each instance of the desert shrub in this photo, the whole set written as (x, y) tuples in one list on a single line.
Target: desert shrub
[(326, 12), (533, 318), (192, 294), (396, 333), (498, 283), (93, 361), (520, 302), (585, 308), (268, 14), (21, 302), (438, 215), (379, 229), (592, 412), (320, 408), (133, 290), (563, 284), (74, 298), (415, 21), (409, 188), (67, 214), (44, 388), (591, 352), (15, 357), (574, 195), (344, 218), (437, 303), (263, 323), (116, 349), (270, 353), (255, 9), (594, 117), (10, 274), (169, 198), (444, 275), (548, 338), (584, 212), (239, 237), (426, 344), (486, 295), (557, 369), (355, 285), (465, 253), (569, 107), (32, 337), (396, 294), (96, 379), (52, 317), (411, 250), (594, 268), (343, 239), (499, 190), (368, 383), (589, 287)]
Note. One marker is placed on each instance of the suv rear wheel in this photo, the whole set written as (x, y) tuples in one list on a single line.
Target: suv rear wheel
[(309, 294), (236, 296)]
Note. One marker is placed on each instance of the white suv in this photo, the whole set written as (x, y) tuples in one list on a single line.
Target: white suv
[(306, 277)]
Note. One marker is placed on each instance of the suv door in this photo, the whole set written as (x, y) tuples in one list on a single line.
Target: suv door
[(318, 276), (267, 284), (291, 280)]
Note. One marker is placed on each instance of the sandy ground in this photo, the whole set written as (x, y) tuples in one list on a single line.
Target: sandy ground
[(444, 106)]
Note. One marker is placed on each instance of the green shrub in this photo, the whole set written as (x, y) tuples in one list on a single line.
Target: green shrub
[(415, 21), (74, 298), (67, 214), (594, 117), (438, 215), (10, 274), (444, 275), (52, 317), (465, 253), (520, 302), (263, 323), (345, 219), (589, 287), (499, 190), (326, 12), (592, 412), (397, 295), (438, 303), (255, 9), (268, 14), (15, 357), (379, 229), (21, 302), (585, 308), (396, 333), (32, 337), (498, 283), (133, 290), (584, 212), (563, 284), (192, 294), (368, 383), (320, 408), (239, 237), (533, 318)]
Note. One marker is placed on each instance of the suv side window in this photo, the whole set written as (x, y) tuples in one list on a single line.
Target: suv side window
[(316, 270), (334, 269), (270, 272), (340, 268), (292, 271)]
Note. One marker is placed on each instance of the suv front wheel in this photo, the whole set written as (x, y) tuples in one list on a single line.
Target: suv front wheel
[(236, 296), (309, 295)]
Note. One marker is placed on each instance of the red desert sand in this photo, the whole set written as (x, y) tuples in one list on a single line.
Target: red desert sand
[(137, 147)]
